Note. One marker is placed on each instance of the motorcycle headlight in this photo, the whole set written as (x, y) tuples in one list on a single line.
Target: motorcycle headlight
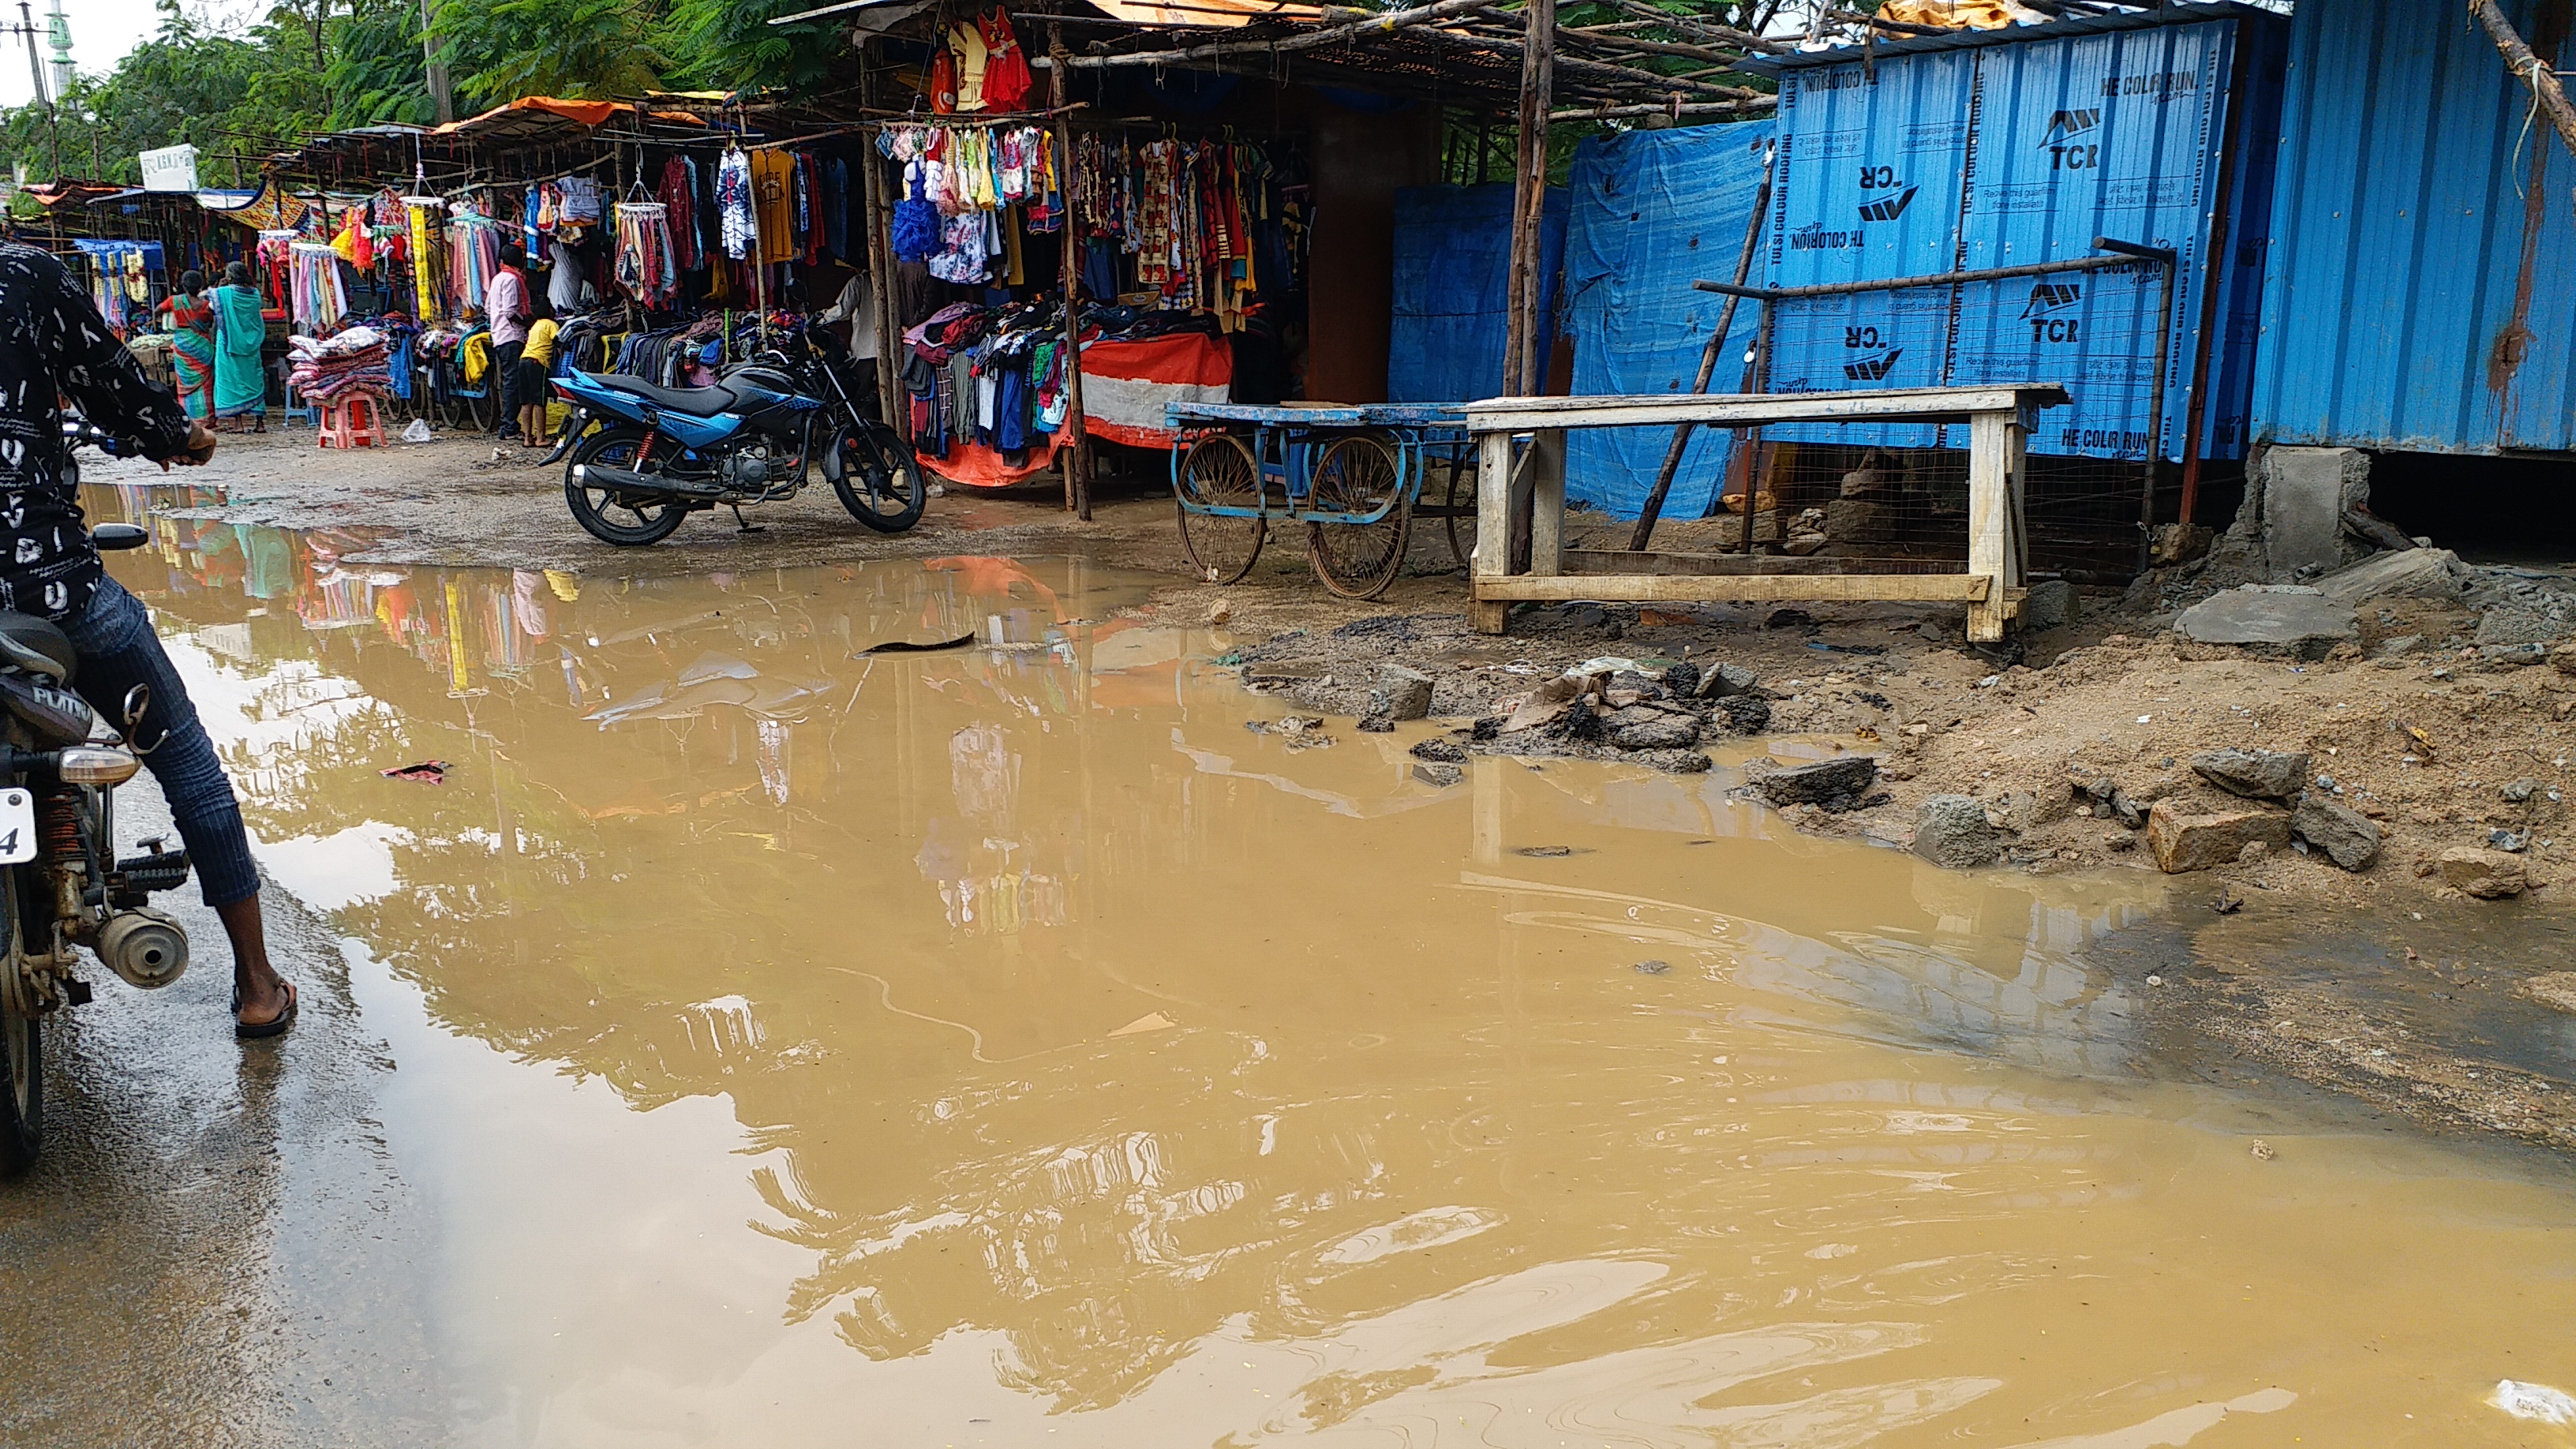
[(95, 765)]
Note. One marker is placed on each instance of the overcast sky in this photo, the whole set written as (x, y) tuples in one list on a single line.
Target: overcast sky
[(102, 32)]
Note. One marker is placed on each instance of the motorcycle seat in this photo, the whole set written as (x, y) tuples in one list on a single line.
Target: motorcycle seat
[(695, 402), (36, 646)]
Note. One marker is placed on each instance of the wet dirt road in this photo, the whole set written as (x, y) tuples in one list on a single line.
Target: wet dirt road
[(758, 1041)]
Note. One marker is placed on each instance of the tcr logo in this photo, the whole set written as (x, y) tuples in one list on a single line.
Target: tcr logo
[(2047, 301), (2064, 154)]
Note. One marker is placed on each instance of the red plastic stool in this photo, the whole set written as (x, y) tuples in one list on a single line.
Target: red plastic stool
[(355, 421)]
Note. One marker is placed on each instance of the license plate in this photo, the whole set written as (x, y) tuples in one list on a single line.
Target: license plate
[(17, 827)]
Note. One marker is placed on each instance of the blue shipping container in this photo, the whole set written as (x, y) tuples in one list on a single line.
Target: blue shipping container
[(2421, 287), (2004, 149)]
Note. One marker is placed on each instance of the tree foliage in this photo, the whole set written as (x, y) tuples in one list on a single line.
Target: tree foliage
[(244, 92)]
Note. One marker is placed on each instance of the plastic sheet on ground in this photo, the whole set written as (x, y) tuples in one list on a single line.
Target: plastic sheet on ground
[(1654, 211), (1453, 252)]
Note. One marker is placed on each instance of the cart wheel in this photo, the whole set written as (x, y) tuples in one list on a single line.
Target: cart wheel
[(1359, 474), (1461, 504), (1219, 472)]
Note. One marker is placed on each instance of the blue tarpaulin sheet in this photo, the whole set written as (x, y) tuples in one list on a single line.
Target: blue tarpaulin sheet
[(1653, 212), (1453, 267)]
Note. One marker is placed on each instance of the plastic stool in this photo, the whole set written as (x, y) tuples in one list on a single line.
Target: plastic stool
[(355, 421), (303, 413)]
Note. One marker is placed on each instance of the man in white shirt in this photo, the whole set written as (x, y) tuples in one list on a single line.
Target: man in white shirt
[(505, 307)]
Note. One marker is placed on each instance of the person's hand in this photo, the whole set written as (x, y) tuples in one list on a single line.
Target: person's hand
[(199, 451)]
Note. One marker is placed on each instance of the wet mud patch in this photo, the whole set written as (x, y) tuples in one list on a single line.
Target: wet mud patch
[(2424, 1014)]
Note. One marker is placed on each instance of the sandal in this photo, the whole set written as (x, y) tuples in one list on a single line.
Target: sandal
[(254, 1031)]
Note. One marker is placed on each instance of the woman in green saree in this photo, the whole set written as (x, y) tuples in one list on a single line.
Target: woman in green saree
[(192, 335), (241, 383)]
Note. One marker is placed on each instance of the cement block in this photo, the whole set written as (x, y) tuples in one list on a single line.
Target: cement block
[(2305, 494)]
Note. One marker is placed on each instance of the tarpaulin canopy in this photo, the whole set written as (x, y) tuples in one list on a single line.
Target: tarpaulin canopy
[(1453, 262), (1126, 385), (1653, 212)]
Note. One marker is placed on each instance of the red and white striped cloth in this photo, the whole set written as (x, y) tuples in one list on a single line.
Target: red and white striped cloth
[(1126, 385)]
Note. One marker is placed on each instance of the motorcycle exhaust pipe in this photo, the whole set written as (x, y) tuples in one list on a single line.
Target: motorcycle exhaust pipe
[(144, 946), (627, 480)]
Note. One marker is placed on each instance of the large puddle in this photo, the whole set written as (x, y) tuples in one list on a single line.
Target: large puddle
[(1006, 1046)]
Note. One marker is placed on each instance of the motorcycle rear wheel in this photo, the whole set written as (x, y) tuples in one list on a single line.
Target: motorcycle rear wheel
[(878, 479), (22, 1052), (601, 512), (22, 1104)]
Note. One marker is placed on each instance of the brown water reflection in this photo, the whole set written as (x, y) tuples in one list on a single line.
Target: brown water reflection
[(1118, 1075)]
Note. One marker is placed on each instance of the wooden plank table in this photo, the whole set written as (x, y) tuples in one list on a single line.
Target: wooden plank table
[(1999, 418)]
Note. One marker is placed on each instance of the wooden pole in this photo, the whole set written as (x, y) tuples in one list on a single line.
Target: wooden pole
[(2531, 69), (1524, 369), (1708, 356), (1077, 439), (880, 254)]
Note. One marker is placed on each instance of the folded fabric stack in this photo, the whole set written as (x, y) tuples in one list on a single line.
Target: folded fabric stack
[(330, 369)]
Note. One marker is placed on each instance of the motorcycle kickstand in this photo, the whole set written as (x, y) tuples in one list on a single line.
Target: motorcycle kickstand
[(745, 525)]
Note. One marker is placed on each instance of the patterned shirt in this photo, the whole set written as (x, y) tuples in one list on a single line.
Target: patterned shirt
[(52, 341)]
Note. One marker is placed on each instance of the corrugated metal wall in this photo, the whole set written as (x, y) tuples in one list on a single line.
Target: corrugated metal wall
[(2420, 292), (2020, 149)]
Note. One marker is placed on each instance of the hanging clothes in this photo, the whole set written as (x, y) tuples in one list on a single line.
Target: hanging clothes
[(966, 44), (679, 205), (836, 208), (773, 197), (426, 214), (316, 298), (1007, 80), (734, 203), (645, 267)]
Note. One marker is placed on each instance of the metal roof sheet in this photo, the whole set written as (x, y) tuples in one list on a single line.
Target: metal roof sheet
[(2186, 13)]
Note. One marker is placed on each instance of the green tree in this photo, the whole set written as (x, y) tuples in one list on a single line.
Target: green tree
[(500, 50)]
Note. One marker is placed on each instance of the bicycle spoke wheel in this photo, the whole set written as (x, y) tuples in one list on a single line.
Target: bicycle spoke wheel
[(1359, 474), (1219, 472), (1461, 503)]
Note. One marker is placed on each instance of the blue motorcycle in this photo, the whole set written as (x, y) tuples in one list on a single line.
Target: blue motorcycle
[(645, 457)]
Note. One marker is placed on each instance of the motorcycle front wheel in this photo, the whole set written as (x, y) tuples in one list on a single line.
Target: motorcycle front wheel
[(602, 512), (877, 478)]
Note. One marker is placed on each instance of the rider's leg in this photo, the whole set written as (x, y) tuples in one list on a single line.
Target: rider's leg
[(118, 651)]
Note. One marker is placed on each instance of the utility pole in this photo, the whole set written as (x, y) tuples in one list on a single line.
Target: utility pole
[(59, 32), (26, 26), (440, 94)]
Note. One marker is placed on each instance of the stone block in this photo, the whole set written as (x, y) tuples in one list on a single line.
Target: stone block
[(1401, 693), (2306, 492), (1952, 831), (2197, 842), (1818, 782), (2285, 619), (2254, 774), (2519, 626), (2050, 605), (2489, 875), (2349, 838), (1858, 520), (2417, 573)]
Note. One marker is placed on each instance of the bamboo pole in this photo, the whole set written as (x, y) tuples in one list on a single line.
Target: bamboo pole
[(880, 253), (1686, 108), (1524, 373), (1077, 440), (1708, 358), (1391, 21), (2533, 71)]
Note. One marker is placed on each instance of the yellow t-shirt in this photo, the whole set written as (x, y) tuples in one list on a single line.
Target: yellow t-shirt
[(540, 348)]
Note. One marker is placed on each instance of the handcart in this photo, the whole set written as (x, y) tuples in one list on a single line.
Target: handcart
[(1352, 474)]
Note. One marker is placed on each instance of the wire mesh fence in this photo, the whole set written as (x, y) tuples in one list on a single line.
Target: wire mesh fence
[(1874, 497)]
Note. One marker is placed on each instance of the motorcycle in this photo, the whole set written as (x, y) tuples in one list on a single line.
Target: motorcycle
[(61, 885), (646, 457)]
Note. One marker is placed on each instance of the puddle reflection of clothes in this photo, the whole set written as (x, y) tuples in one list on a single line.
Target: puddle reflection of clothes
[(995, 578), (528, 605), (776, 735), (984, 774)]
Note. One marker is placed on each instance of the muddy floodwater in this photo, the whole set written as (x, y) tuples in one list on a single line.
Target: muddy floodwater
[(785, 1044)]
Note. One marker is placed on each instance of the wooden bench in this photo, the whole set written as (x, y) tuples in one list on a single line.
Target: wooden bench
[(1999, 418)]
